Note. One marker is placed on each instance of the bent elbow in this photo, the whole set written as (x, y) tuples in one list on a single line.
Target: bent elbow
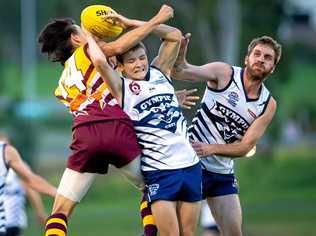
[(247, 149), (116, 49), (176, 35)]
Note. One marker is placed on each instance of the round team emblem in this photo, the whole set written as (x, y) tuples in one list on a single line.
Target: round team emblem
[(134, 87), (233, 98)]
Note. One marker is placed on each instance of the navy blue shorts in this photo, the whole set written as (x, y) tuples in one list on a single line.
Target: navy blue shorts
[(215, 184), (174, 185)]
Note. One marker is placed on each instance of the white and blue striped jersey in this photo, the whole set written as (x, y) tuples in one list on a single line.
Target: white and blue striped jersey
[(224, 116), (160, 126), (3, 174), (14, 202)]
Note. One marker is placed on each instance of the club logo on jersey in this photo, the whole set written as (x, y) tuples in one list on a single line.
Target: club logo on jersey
[(159, 111), (252, 113), (230, 125), (153, 189), (233, 99), (134, 87)]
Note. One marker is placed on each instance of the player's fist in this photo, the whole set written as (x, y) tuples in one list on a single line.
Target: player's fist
[(165, 13)]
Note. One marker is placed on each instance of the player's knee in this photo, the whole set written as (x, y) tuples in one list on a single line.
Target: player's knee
[(236, 230), (187, 231), (168, 229), (232, 229), (232, 232), (74, 185)]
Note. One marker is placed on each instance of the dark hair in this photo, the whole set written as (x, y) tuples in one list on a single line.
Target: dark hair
[(54, 39), (137, 46), (266, 40)]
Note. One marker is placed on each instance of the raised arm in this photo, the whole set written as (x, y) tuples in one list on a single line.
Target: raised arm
[(109, 75), (251, 137), (213, 72), (33, 180), (171, 40), (131, 38), (169, 48)]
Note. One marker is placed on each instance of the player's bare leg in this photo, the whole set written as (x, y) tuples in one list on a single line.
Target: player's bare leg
[(133, 173), (227, 213), (165, 214), (188, 213), (72, 188)]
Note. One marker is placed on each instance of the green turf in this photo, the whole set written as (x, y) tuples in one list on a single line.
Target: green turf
[(278, 195), (278, 198), (110, 208)]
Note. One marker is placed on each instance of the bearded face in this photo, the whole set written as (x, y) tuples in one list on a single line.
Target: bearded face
[(260, 62)]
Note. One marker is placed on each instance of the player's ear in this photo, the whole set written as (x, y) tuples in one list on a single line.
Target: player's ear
[(120, 67), (246, 60), (271, 72), (75, 40), (112, 62)]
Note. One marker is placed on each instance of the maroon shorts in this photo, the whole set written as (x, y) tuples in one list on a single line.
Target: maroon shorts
[(96, 145)]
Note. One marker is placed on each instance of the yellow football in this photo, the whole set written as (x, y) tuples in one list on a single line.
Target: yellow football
[(92, 18)]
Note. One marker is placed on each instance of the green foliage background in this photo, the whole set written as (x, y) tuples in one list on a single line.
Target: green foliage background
[(277, 187)]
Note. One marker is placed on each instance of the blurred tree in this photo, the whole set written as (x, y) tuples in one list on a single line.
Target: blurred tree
[(221, 30)]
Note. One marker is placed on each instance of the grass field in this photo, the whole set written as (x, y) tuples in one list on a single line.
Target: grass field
[(278, 198)]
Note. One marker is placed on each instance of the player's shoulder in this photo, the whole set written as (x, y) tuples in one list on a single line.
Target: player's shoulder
[(10, 149), (78, 61), (219, 66), (271, 107), (273, 102), (11, 153), (81, 53), (222, 70)]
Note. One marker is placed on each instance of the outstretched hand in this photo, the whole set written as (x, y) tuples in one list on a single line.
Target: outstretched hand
[(202, 149), (117, 19), (186, 98), (165, 13)]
